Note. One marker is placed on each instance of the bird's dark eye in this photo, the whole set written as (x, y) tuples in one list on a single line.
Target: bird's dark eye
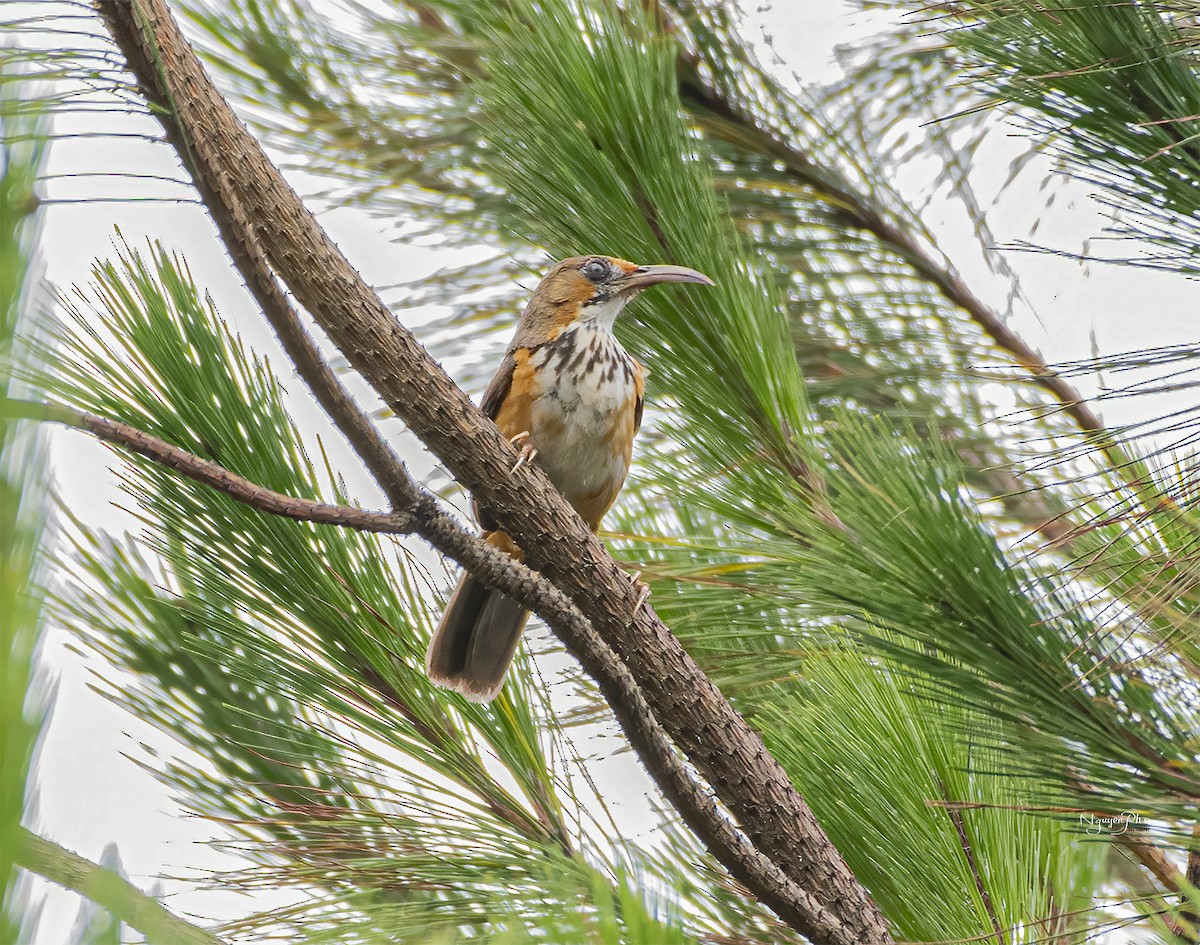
[(597, 270)]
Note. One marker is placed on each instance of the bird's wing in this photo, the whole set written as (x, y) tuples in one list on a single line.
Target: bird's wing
[(639, 387), (499, 387), (493, 400)]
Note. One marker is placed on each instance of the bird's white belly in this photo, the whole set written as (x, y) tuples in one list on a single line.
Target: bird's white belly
[(578, 422)]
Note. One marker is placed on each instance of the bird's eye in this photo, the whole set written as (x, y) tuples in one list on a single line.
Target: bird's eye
[(597, 270)]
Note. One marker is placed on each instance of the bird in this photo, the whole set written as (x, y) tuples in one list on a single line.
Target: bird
[(570, 397)]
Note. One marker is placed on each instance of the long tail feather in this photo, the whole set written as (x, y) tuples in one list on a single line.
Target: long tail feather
[(476, 640)]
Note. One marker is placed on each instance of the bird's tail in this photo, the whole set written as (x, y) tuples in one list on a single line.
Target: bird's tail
[(475, 641)]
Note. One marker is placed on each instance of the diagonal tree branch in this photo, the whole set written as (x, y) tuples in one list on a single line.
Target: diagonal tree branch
[(960, 828), (213, 474), (252, 262), (726, 121), (728, 753), (498, 570)]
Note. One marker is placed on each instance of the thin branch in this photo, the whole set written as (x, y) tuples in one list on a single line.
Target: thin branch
[(1189, 921), (251, 260), (862, 214), (107, 889), (689, 795), (964, 840), (1158, 865), (697, 717), (212, 474), (724, 120)]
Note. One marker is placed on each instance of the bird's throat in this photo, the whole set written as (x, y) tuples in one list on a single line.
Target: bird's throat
[(601, 316)]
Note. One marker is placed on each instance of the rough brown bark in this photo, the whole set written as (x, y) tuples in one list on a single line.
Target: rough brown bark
[(225, 158)]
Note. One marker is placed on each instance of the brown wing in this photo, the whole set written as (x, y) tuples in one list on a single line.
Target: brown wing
[(499, 387), (493, 399), (639, 387)]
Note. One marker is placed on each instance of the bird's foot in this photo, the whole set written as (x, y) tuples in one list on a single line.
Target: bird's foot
[(528, 455), (643, 590)]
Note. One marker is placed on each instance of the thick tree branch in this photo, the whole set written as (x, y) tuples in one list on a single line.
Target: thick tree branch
[(498, 570), (750, 783), (107, 889)]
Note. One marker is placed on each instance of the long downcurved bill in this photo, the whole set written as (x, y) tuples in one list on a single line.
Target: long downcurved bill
[(644, 276)]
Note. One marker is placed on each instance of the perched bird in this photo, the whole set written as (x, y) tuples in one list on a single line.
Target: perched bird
[(571, 397)]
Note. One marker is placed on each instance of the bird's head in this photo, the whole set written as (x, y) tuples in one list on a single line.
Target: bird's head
[(596, 288)]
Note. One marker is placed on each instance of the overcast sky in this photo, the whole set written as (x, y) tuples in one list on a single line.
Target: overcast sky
[(88, 795)]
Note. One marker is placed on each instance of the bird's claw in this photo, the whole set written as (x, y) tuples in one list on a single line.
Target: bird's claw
[(528, 455), (643, 593)]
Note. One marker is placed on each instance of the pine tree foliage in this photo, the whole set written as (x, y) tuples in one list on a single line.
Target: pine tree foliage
[(1111, 90), (824, 503), (1114, 89)]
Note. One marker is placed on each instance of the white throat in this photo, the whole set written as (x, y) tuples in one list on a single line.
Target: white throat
[(603, 315)]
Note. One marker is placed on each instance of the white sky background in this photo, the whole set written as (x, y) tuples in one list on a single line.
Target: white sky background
[(88, 795)]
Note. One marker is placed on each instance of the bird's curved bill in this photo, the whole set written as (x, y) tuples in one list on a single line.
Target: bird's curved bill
[(644, 276)]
